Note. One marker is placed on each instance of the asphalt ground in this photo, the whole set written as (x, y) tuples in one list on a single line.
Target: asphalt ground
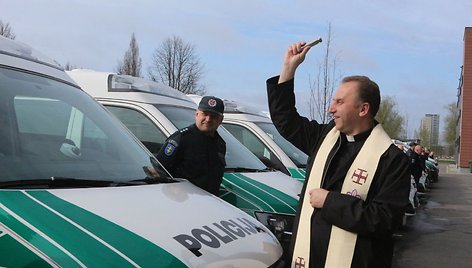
[(440, 234)]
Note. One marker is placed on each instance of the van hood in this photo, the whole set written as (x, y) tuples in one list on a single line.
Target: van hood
[(165, 225), (262, 191), (297, 173)]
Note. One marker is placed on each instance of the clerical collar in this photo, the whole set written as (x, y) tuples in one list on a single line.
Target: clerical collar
[(359, 137)]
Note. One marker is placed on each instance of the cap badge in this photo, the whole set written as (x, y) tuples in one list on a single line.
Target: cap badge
[(212, 102)]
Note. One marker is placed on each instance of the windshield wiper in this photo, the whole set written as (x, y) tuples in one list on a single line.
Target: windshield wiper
[(244, 169), (154, 180), (153, 176), (65, 182), (56, 182)]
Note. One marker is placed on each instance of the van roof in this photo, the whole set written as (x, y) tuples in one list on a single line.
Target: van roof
[(21, 56), (238, 108), (18, 49), (103, 84)]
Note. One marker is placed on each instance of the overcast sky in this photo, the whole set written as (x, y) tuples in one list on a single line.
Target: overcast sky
[(412, 49)]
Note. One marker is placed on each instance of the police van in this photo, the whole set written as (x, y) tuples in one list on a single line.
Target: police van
[(256, 131), (153, 111), (77, 189)]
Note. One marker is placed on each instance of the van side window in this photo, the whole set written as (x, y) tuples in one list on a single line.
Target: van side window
[(141, 126), (256, 146)]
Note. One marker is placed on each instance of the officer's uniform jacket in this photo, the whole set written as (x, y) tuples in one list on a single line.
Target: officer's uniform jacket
[(192, 155), (416, 165)]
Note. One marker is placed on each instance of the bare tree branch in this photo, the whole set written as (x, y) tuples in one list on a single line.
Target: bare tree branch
[(322, 87), (6, 30), (131, 63), (176, 64)]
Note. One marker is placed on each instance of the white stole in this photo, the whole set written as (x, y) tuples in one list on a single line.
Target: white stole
[(357, 183)]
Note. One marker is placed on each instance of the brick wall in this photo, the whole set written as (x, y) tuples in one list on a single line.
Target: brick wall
[(465, 150)]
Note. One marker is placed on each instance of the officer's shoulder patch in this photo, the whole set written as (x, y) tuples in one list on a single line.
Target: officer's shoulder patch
[(183, 130), (173, 142), (169, 149)]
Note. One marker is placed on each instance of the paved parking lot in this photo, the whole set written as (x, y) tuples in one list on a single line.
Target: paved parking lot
[(440, 234)]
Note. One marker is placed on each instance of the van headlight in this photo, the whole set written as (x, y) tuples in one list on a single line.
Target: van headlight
[(279, 224)]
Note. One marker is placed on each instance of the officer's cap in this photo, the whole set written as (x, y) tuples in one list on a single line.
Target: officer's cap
[(211, 104)]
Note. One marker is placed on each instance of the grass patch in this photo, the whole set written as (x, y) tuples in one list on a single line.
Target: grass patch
[(447, 161)]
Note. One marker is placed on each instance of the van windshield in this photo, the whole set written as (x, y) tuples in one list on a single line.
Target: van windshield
[(237, 156), (52, 130), (298, 157)]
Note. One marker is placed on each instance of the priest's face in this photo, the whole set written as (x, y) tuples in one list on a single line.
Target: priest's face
[(346, 108)]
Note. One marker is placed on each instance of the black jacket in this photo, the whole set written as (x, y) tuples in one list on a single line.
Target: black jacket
[(192, 155), (374, 219), (417, 165)]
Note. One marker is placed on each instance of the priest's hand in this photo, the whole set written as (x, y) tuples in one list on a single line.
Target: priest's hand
[(294, 56), (317, 197)]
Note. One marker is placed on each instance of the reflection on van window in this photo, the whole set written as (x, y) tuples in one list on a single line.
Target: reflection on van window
[(298, 157), (256, 146), (237, 156), (51, 129), (50, 115), (179, 116), (141, 126)]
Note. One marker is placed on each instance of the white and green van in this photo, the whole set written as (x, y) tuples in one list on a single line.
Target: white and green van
[(153, 111), (256, 131), (77, 189)]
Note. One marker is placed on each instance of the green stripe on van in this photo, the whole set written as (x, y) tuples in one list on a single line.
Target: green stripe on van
[(228, 194), (15, 254), (297, 173), (14, 201), (84, 247), (241, 197), (285, 203), (302, 171), (268, 198), (141, 251)]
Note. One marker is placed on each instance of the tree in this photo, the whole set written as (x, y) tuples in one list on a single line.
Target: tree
[(425, 136), (322, 88), (69, 67), (390, 118), (131, 63), (6, 30), (175, 63), (450, 128)]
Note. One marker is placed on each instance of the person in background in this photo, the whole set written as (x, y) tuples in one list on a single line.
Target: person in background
[(358, 181), (401, 147), (416, 162), (197, 152), (420, 151)]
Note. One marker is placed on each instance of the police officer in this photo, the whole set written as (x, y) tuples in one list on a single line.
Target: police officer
[(197, 152), (416, 163)]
